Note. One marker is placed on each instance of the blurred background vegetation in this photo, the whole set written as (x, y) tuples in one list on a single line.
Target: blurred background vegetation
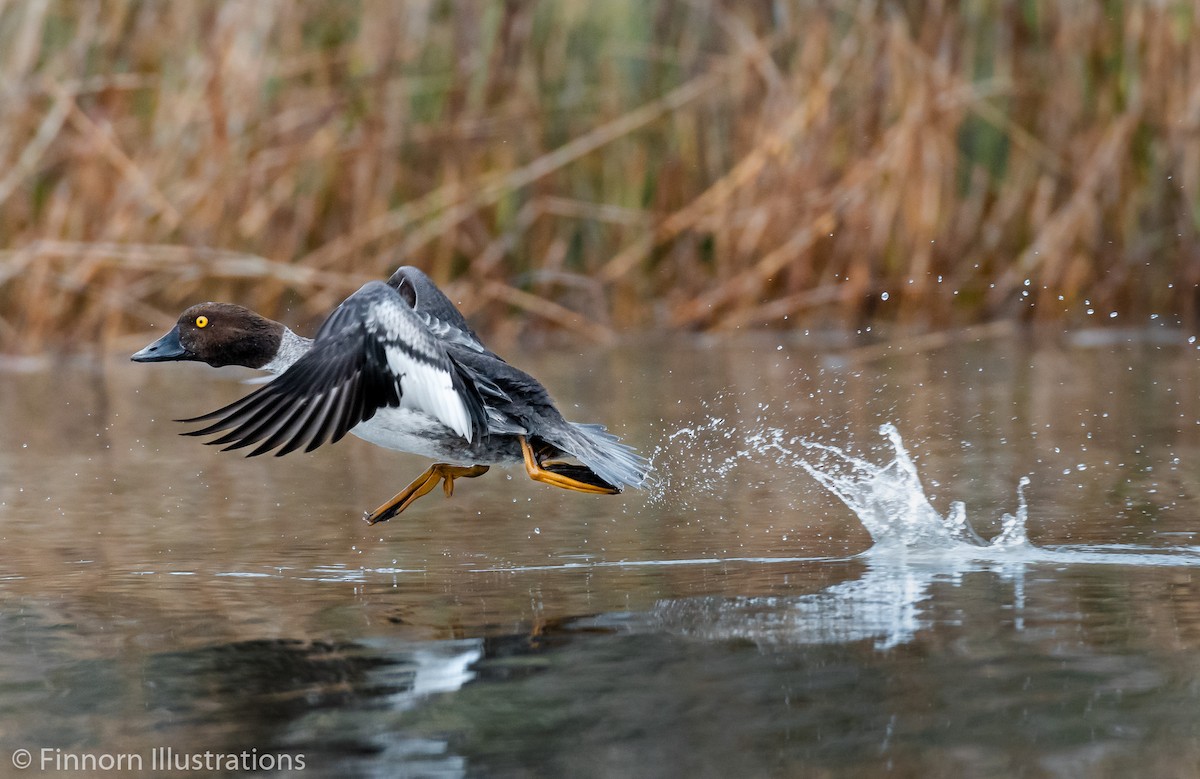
[(596, 167)]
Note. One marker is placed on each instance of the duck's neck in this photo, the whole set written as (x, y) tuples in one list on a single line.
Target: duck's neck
[(291, 348)]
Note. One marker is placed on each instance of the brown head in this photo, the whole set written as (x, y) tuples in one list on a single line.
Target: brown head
[(218, 334)]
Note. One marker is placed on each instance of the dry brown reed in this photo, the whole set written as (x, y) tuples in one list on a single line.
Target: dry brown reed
[(599, 166)]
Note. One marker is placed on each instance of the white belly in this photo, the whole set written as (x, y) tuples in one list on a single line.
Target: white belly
[(406, 430)]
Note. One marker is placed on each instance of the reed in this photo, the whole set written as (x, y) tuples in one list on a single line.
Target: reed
[(599, 166)]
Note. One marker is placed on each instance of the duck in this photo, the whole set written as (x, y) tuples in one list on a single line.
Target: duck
[(397, 365)]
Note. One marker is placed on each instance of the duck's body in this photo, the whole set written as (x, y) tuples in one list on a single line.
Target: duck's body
[(398, 366)]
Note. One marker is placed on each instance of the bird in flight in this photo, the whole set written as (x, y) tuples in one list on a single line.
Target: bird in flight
[(397, 365)]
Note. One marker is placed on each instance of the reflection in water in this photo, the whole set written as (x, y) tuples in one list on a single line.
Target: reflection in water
[(301, 697), (885, 606), (914, 546), (729, 622)]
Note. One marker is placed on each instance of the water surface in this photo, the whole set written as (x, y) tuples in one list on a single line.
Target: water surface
[(797, 596)]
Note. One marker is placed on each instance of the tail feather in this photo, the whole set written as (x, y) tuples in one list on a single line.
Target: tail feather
[(603, 453)]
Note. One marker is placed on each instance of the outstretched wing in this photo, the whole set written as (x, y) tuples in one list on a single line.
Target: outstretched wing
[(373, 352), (429, 303)]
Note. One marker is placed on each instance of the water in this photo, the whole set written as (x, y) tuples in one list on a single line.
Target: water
[(974, 561)]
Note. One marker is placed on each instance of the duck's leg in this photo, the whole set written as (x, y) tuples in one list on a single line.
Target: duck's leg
[(559, 478), (423, 485)]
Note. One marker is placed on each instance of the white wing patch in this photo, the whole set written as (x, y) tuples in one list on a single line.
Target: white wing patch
[(430, 390)]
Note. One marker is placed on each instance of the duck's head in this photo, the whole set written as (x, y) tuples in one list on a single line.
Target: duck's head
[(218, 334)]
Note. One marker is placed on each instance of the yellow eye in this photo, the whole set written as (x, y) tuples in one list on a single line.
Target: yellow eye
[(201, 321)]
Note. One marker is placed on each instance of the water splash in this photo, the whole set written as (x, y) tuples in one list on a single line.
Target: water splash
[(891, 503), (888, 499)]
